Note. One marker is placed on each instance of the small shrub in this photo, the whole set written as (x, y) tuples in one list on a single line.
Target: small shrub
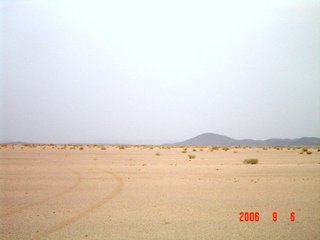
[(81, 148), (157, 154), (191, 156), (251, 161), (305, 149), (103, 148), (184, 151), (194, 150), (121, 147), (214, 148), (309, 152), (225, 148)]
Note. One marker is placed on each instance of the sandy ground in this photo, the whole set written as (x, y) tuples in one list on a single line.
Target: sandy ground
[(48, 192)]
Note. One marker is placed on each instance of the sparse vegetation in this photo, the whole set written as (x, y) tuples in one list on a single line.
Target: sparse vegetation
[(184, 151), (194, 150), (309, 152), (191, 156), (251, 161), (157, 154), (214, 148), (304, 149), (225, 148)]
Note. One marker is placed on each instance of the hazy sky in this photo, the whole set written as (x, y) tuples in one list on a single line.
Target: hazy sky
[(158, 71)]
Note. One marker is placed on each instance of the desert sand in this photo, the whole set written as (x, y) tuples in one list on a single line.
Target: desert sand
[(143, 192)]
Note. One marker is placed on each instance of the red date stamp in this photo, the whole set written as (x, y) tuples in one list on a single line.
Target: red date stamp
[(249, 216), (255, 216)]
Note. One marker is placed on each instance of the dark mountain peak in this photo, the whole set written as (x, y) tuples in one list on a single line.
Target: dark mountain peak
[(208, 139), (212, 135)]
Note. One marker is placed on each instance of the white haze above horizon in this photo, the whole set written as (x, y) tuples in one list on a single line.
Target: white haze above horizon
[(158, 71)]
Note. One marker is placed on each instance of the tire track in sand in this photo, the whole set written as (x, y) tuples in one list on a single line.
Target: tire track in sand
[(47, 199), (86, 212)]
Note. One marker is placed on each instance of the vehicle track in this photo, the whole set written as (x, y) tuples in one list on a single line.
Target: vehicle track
[(87, 211), (47, 199)]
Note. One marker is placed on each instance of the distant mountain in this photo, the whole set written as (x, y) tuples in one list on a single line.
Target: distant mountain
[(212, 139), (15, 143)]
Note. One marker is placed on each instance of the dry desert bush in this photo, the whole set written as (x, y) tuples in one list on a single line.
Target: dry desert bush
[(213, 148), (305, 150), (191, 156), (251, 161)]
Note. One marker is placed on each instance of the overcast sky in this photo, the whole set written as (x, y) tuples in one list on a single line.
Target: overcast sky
[(158, 71)]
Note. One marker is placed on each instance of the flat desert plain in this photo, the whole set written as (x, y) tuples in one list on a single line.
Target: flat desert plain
[(144, 192)]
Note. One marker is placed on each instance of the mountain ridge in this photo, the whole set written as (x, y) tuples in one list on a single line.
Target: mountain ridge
[(213, 139)]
